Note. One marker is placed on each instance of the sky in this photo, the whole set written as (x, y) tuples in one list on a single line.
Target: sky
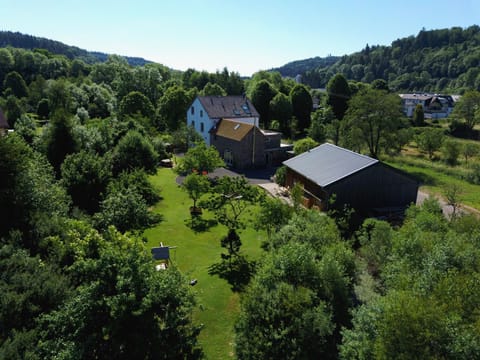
[(245, 35)]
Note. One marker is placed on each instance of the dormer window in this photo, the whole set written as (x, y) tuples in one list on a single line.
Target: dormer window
[(201, 113)]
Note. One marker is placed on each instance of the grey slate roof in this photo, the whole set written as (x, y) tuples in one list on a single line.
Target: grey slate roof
[(218, 107), (327, 164)]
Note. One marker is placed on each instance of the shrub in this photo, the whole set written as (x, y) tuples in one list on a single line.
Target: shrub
[(281, 175)]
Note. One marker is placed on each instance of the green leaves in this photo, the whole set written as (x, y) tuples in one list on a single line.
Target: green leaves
[(200, 158)]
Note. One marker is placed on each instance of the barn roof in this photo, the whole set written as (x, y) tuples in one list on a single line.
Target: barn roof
[(232, 129), (218, 107), (327, 164)]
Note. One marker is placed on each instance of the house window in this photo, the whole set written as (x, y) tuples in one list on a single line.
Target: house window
[(192, 110), (201, 127), (201, 113), (193, 124), (228, 157)]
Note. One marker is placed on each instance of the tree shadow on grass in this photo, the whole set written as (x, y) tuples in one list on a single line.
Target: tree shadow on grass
[(237, 272), (424, 178), (199, 224)]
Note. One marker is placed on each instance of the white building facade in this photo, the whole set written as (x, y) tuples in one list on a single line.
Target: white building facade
[(206, 112)]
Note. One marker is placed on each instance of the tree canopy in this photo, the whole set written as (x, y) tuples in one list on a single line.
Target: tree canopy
[(377, 115)]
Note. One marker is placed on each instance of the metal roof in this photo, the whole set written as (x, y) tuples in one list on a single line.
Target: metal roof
[(228, 106), (328, 163)]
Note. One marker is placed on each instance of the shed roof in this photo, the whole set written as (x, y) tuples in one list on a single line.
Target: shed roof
[(232, 129), (328, 163), (161, 253), (3, 121), (228, 106)]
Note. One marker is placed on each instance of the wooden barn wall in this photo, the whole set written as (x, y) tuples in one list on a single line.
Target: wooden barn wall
[(293, 177), (375, 187)]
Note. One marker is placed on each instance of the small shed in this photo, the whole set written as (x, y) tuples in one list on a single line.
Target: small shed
[(162, 254), (357, 180)]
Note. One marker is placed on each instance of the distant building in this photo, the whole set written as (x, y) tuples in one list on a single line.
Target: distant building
[(230, 123), (356, 180), (434, 106)]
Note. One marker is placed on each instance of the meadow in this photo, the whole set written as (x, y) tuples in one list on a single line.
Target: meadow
[(195, 252)]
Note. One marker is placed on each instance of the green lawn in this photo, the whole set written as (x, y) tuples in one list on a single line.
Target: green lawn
[(434, 176), (217, 304)]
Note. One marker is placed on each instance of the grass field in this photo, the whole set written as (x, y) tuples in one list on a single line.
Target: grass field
[(217, 304), (434, 176)]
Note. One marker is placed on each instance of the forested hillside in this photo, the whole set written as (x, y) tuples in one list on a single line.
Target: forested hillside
[(18, 40), (434, 60), (294, 68)]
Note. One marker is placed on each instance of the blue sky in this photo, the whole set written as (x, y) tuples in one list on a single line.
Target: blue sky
[(244, 35)]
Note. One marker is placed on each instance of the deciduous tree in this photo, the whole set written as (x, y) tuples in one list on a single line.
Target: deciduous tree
[(302, 105), (85, 176), (196, 185), (338, 93), (262, 93), (134, 152), (376, 114), (200, 158), (468, 108), (430, 140), (122, 308), (282, 111), (14, 81), (304, 145)]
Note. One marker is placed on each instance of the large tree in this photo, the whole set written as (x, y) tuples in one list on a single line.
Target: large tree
[(468, 108), (173, 105), (376, 114), (430, 140), (281, 110), (136, 103), (122, 308), (261, 95), (133, 152), (338, 93), (59, 139), (14, 81), (196, 185), (302, 105), (200, 158), (85, 176), (30, 198)]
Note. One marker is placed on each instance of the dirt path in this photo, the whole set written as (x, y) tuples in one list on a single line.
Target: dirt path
[(447, 209)]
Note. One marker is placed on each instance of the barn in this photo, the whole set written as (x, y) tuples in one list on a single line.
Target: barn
[(361, 182)]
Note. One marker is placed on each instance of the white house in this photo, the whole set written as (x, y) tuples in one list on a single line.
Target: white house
[(206, 112), (434, 105)]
